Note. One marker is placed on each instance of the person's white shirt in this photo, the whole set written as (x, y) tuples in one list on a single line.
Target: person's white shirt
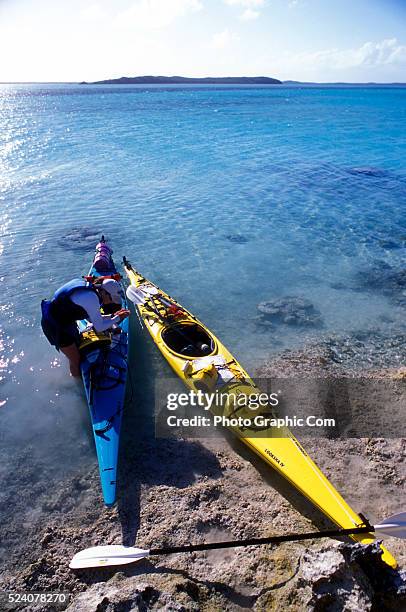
[(89, 301)]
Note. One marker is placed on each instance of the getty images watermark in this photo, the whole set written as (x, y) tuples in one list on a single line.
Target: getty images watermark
[(338, 407), (255, 408)]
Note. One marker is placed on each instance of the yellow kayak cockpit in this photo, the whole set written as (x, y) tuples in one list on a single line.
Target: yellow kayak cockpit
[(188, 340)]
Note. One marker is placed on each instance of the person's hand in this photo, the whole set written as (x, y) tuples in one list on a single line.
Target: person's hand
[(123, 314)]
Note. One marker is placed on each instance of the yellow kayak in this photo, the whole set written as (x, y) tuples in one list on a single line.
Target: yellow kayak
[(204, 363)]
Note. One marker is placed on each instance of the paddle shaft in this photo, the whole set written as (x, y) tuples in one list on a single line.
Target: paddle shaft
[(155, 310), (258, 541)]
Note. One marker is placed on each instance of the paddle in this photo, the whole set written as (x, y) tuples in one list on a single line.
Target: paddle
[(103, 556), (138, 297)]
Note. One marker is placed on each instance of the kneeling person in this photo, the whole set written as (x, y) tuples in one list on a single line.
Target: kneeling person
[(72, 302)]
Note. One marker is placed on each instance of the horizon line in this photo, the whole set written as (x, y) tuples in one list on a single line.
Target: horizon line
[(283, 82)]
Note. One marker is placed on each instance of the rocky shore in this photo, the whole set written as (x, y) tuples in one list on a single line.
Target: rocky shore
[(182, 491)]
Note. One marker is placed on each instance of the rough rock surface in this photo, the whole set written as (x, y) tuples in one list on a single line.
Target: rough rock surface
[(183, 491), (237, 238), (385, 279), (368, 171), (291, 310), (79, 238)]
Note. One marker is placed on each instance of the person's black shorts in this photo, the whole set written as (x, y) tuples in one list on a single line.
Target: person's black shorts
[(57, 335)]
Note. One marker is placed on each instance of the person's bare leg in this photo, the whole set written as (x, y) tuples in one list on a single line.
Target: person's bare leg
[(72, 353)]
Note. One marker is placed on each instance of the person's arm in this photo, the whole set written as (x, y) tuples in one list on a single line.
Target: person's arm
[(90, 302)]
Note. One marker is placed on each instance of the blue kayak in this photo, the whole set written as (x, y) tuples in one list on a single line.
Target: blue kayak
[(104, 372)]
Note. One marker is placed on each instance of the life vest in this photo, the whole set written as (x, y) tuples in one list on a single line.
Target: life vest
[(64, 311)]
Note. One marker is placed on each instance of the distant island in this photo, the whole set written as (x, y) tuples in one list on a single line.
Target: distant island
[(178, 80)]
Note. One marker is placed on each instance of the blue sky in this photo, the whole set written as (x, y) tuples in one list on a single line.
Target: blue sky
[(318, 40)]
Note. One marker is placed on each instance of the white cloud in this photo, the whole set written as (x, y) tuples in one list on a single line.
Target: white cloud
[(93, 12), (388, 51), (245, 3), (223, 39), (249, 15), (382, 53), (155, 14)]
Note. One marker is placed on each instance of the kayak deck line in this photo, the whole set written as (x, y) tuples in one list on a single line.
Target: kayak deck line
[(285, 454)]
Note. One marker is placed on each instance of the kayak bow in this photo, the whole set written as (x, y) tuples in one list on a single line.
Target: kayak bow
[(203, 362), (104, 373)]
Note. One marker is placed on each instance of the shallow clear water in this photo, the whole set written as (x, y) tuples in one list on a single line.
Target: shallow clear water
[(223, 196)]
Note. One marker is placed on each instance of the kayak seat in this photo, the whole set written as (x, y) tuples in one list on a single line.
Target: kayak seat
[(188, 339)]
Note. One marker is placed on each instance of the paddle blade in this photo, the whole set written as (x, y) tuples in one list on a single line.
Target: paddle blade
[(104, 556), (394, 525), (135, 295), (149, 289)]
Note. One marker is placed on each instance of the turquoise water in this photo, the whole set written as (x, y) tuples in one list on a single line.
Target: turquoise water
[(223, 196)]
